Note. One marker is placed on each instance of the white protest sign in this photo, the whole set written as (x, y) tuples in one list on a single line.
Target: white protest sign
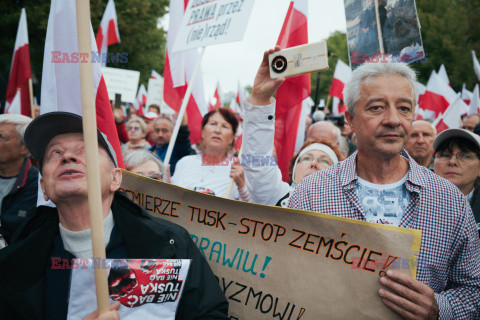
[(155, 91), (124, 82), (208, 22)]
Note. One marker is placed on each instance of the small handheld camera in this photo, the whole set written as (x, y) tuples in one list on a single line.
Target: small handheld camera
[(299, 60)]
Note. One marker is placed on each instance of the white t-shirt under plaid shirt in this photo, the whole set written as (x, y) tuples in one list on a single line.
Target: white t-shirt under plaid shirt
[(383, 203)]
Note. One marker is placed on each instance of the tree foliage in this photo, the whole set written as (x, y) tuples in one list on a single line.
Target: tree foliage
[(140, 36)]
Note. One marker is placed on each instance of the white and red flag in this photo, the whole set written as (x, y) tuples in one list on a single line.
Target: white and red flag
[(474, 106), (466, 95), (442, 73), (141, 101), (61, 81), (20, 71), (108, 31), (177, 73), (476, 66), (438, 96), (341, 76), (240, 95), (155, 75), (292, 93), (15, 107), (218, 97), (452, 117), (421, 93)]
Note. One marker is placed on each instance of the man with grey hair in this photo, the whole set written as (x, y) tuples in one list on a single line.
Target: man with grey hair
[(325, 130), (18, 178), (381, 183), (420, 144)]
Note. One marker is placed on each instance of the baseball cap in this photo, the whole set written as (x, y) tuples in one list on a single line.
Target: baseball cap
[(456, 133), (49, 125), (150, 115)]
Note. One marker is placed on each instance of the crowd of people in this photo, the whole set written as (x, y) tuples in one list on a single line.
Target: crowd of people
[(377, 166)]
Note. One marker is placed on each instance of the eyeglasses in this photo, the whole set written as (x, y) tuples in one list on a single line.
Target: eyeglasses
[(156, 176), (133, 128), (306, 159), (461, 156)]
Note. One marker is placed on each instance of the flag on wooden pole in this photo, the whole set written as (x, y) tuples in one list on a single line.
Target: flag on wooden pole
[(20, 71), (341, 76), (177, 73), (108, 31), (292, 93)]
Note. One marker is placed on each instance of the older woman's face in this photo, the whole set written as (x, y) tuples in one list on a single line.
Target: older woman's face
[(147, 168), (461, 172), (135, 131), (312, 161), (217, 133)]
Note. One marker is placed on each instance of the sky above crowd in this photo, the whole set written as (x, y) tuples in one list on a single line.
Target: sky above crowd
[(238, 61)]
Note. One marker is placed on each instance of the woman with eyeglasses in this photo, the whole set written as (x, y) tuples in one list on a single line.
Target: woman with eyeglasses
[(457, 159), (137, 131)]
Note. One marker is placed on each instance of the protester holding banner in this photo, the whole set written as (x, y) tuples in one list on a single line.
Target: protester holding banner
[(54, 236), (210, 171), (137, 131), (457, 159), (381, 183)]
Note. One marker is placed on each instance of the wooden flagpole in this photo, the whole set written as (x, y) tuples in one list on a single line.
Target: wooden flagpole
[(379, 29), (91, 152), (181, 113)]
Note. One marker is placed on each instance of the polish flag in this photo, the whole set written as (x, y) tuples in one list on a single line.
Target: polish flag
[(155, 75), (475, 102), (177, 73), (218, 97), (466, 95), (16, 105), (438, 96), (20, 71), (419, 112), (476, 66), (290, 111), (341, 76), (442, 73), (108, 32), (338, 106), (452, 117), (240, 94), (141, 101), (61, 81)]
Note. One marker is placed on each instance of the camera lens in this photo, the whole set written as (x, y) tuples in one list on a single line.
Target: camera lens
[(279, 64)]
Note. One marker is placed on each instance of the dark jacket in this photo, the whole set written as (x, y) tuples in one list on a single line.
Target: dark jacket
[(21, 202), (475, 204), (23, 264), (181, 149)]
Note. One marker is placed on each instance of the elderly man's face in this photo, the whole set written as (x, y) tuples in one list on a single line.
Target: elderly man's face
[(470, 122), (64, 169), (420, 144), (10, 151), (383, 115)]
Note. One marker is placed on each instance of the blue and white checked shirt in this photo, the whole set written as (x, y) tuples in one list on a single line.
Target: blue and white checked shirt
[(449, 259)]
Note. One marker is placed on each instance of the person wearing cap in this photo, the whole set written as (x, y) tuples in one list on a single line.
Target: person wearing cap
[(162, 133), (18, 177), (381, 183), (457, 159), (32, 288)]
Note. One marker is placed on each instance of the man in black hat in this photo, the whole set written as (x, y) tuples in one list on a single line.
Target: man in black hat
[(31, 288)]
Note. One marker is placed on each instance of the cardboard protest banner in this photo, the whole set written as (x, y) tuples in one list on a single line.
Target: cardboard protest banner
[(398, 25), (208, 22), (124, 82), (273, 262), (146, 288)]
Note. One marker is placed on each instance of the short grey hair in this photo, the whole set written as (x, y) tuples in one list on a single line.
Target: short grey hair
[(138, 157), (138, 120), (21, 122), (352, 90), (336, 130), (164, 117)]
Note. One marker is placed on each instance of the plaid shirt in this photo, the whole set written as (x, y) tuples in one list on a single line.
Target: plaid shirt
[(449, 259)]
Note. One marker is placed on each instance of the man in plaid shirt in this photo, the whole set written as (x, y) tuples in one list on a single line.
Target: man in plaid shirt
[(381, 183)]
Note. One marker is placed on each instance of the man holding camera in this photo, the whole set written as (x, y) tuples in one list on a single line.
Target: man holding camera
[(381, 99)]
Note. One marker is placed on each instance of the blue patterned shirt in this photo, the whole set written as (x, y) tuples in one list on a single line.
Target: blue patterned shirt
[(449, 258)]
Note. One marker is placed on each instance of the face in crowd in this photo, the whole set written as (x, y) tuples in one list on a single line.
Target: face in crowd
[(162, 131), (135, 131), (64, 170), (382, 119), (11, 149), (420, 144), (312, 161), (218, 132)]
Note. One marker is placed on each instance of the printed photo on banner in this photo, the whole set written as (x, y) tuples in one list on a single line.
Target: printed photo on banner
[(395, 22), (146, 288)]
